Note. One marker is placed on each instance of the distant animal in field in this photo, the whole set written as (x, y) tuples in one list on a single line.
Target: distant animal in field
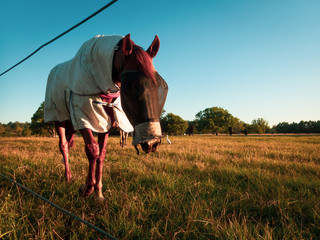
[(245, 131), (230, 131), (110, 80), (123, 138), (190, 130)]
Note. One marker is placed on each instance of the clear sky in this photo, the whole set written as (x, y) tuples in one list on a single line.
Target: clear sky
[(255, 58)]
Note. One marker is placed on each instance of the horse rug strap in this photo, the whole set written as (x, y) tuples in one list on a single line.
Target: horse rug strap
[(115, 105)]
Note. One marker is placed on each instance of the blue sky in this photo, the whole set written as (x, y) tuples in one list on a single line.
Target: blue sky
[(254, 58)]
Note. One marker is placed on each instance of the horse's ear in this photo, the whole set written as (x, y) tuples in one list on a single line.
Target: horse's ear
[(154, 47), (127, 45)]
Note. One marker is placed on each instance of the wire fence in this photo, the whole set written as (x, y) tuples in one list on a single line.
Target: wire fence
[(23, 187), (61, 209), (59, 36)]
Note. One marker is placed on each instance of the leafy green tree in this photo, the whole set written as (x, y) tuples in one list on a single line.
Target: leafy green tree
[(2, 129), (260, 126), (14, 129), (316, 127), (215, 119), (163, 112), (238, 125), (17, 128), (282, 127), (173, 124), (38, 126), (26, 130), (301, 127)]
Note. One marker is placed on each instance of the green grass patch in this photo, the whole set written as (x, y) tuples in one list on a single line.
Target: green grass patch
[(200, 187)]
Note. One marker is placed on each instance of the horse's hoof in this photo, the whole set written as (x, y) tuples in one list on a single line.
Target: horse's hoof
[(68, 177), (100, 197), (85, 191), (82, 189)]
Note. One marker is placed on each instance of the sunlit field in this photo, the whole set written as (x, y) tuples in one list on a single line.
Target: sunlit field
[(198, 187)]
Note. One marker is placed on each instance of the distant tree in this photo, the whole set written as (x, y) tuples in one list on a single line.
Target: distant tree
[(238, 126), (173, 124), (282, 127), (301, 127), (306, 127), (316, 127), (14, 129), (26, 130), (38, 126), (17, 128), (260, 126), (2, 129), (216, 119), (163, 113)]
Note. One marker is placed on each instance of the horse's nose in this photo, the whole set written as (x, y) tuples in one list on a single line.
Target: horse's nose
[(151, 145)]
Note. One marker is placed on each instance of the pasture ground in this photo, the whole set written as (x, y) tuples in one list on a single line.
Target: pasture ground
[(199, 187)]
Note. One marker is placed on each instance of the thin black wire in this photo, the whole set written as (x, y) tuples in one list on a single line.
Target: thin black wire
[(61, 209), (70, 29)]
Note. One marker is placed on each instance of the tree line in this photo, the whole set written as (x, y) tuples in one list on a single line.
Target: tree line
[(301, 127), (214, 120), (36, 127)]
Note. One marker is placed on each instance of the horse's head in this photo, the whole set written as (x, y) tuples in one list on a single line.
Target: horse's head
[(143, 93)]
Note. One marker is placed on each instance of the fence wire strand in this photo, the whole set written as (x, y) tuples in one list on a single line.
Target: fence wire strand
[(61, 209), (54, 39)]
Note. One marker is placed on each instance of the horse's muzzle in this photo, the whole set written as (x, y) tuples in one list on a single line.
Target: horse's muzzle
[(148, 136), (151, 145)]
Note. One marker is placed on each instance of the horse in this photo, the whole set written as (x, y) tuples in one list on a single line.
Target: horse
[(190, 129), (110, 79), (123, 138)]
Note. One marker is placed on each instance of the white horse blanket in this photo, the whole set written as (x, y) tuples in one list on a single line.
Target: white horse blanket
[(74, 86)]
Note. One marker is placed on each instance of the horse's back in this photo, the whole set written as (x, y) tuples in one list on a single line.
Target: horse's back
[(55, 108), (73, 85)]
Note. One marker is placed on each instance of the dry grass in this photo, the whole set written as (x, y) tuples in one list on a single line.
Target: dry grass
[(209, 187)]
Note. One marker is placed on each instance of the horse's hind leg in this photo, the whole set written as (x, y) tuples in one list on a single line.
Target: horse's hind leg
[(64, 145), (125, 138), (70, 134), (121, 138)]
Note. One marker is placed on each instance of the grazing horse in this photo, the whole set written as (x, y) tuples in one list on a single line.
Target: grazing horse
[(123, 138), (83, 94)]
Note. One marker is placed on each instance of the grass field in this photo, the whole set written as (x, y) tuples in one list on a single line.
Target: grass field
[(200, 187)]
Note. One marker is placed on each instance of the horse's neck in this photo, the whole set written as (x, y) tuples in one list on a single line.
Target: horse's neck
[(116, 67)]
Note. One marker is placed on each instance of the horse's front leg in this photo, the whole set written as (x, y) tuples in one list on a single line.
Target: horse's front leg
[(92, 152), (102, 140)]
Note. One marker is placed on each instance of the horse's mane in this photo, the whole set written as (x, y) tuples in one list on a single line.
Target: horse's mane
[(145, 62)]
